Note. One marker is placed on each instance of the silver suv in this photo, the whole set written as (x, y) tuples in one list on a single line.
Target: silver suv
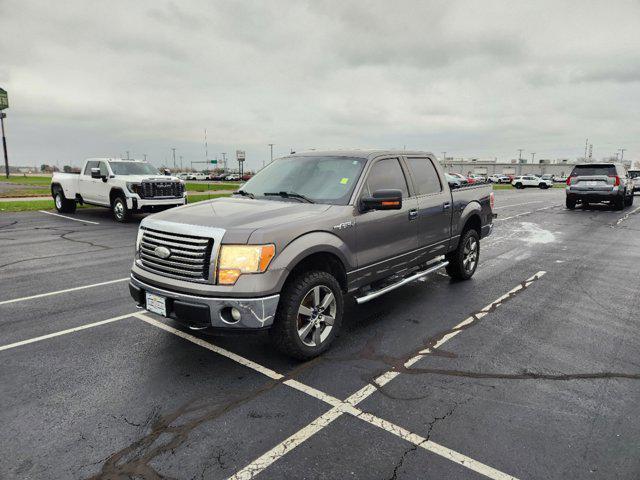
[(599, 182)]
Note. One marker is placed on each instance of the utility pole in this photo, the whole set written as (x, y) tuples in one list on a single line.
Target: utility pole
[(520, 150), (444, 157), (174, 157), (224, 161), (622, 153), (271, 147), (127, 154), (145, 156), (586, 145), (533, 155), (180, 162)]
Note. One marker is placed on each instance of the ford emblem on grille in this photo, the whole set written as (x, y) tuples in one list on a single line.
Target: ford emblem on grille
[(162, 252)]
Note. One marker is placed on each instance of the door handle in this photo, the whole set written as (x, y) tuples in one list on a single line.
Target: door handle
[(446, 205), (413, 214)]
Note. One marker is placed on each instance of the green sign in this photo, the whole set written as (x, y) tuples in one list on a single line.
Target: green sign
[(214, 162), (4, 100)]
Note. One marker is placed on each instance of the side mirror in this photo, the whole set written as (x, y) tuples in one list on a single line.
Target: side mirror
[(383, 200), (167, 171), (95, 173), (452, 185)]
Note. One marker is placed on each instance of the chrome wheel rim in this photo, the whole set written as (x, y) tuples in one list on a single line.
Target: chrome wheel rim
[(58, 201), (316, 315), (118, 208), (470, 254)]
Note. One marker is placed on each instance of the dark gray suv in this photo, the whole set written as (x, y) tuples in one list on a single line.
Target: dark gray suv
[(599, 182)]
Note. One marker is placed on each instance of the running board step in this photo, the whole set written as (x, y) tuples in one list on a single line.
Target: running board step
[(404, 281)]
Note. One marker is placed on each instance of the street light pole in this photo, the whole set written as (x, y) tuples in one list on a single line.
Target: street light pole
[(533, 155), (622, 153), (174, 157), (271, 147), (520, 150)]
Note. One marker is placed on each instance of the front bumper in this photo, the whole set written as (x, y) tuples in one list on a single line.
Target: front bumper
[(199, 312), (137, 203)]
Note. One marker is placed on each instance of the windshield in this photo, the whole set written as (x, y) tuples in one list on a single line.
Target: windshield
[(133, 168), (320, 179)]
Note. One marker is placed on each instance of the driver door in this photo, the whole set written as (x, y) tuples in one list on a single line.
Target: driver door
[(386, 240)]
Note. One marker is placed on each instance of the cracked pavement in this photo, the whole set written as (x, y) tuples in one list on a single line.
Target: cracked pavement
[(545, 386)]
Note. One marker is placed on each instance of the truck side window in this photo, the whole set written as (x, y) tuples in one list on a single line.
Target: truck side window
[(104, 171), (425, 175), (90, 165), (385, 175)]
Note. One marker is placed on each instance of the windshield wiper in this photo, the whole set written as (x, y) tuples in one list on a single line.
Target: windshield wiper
[(289, 195), (245, 193)]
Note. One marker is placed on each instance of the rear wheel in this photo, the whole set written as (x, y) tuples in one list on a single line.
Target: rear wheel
[(63, 204), (571, 203), (619, 202), (120, 211), (543, 186), (463, 261), (629, 200), (309, 315)]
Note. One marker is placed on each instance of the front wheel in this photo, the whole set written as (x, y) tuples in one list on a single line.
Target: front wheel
[(120, 211), (63, 204), (463, 261), (543, 186), (519, 185), (571, 204), (309, 315)]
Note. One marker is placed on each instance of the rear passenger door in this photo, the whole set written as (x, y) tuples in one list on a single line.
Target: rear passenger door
[(386, 239), (434, 207)]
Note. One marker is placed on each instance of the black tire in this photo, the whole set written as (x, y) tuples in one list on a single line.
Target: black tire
[(629, 200), (543, 186), (619, 202), (519, 185), (63, 204), (120, 211), (571, 203), (285, 330), (458, 267)]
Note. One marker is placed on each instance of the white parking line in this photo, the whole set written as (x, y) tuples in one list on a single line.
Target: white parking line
[(349, 405), (526, 213), (65, 332), (68, 218), (57, 292), (622, 219), (517, 204)]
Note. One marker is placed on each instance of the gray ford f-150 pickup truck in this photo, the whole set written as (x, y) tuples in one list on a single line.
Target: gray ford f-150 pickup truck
[(308, 229)]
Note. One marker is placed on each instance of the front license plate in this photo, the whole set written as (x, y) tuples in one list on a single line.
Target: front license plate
[(156, 304)]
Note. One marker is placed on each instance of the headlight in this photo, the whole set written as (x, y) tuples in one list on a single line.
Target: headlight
[(238, 259), (134, 187), (139, 239)]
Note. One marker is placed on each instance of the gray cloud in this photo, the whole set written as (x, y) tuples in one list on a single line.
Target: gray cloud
[(471, 78)]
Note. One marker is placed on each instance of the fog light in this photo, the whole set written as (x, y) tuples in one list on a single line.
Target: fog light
[(235, 314)]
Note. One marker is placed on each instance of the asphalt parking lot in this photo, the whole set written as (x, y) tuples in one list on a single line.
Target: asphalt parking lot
[(529, 370)]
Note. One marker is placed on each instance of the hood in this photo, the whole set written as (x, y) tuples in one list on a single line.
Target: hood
[(244, 214), (159, 178)]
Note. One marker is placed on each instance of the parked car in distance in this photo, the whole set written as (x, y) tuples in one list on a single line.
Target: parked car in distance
[(455, 181), (599, 182), (183, 176), (197, 176), (124, 186), (548, 177), (497, 178), (478, 178), (232, 178), (465, 180), (217, 176), (246, 178), (304, 232), (524, 181), (634, 175)]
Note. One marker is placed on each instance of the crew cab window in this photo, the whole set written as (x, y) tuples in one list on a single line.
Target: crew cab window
[(425, 176), (103, 169), (89, 166), (387, 175)]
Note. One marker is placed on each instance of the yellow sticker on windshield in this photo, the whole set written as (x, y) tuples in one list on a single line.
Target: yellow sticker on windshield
[(344, 181)]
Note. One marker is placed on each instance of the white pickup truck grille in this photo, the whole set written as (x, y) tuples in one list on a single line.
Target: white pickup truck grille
[(188, 258), (155, 189)]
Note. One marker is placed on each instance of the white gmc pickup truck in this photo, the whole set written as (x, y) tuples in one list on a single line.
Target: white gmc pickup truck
[(124, 186)]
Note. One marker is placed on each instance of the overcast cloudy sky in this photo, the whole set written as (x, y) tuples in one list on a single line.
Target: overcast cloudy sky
[(477, 78)]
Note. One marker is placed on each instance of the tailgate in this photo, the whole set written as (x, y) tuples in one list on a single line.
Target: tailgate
[(593, 183)]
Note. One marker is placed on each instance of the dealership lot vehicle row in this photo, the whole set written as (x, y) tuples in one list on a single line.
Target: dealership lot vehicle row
[(441, 385)]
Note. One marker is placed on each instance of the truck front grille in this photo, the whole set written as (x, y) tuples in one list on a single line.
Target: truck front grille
[(161, 189), (189, 257)]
